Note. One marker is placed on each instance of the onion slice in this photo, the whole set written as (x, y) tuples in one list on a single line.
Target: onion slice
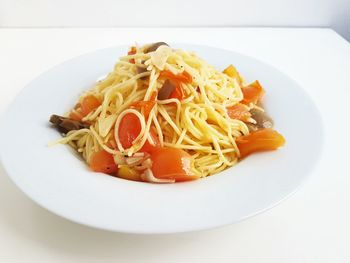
[(149, 177)]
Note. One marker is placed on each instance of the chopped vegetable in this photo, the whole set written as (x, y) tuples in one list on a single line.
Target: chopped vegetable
[(103, 162), (89, 104), (75, 115), (172, 86), (160, 56), (154, 46), (153, 96), (65, 125), (148, 176), (119, 158), (252, 93), (239, 112), (134, 160), (140, 70), (128, 173), (178, 93), (166, 90), (132, 51), (146, 164), (260, 140), (130, 128), (171, 90), (262, 119), (149, 148), (183, 77), (147, 106), (232, 72), (172, 163)]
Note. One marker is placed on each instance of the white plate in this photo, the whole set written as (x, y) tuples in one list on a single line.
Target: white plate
[(58, 180)]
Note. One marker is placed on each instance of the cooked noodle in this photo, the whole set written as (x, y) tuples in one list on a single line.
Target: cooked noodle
[(198, 124)]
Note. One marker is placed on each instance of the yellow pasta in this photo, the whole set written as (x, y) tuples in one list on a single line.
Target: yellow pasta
[(198, 123)]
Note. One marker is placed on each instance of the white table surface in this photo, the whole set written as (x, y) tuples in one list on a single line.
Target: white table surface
[(311, 226)]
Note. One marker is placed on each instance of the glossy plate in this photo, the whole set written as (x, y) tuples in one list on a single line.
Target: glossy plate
[(58, 180)]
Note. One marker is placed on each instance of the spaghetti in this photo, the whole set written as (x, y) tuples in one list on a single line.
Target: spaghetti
[(174, 100)]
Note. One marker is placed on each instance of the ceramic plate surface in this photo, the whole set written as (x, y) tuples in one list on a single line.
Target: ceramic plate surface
[(58, 180)]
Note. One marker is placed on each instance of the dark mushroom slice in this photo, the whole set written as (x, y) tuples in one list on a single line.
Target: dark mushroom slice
[(166, 90), (154, 46), (263, 121), (65, 125), (140, 70)]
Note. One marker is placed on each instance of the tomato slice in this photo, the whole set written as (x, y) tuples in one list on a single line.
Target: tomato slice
[(239, 112), (132, 51), (252, 93), (146, 105), (149, 148), (178, 93), (177, 80), (103, 162), (153, 96), (260, 140), (130, 128), (183, 77), (172, 163), (75, 115), (89, 104)]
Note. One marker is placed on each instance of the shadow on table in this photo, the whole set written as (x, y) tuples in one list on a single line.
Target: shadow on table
[(32, 223)]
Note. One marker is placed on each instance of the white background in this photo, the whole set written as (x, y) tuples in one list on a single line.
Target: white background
[(312, 226), (116, 13)]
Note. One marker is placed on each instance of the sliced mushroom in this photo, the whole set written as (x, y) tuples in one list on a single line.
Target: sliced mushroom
[(140, 70), (64, 124), (262, 119), (166, 90), (154, 46)]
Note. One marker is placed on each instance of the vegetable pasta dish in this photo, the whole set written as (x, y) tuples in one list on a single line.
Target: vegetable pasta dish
[(164, 115)]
